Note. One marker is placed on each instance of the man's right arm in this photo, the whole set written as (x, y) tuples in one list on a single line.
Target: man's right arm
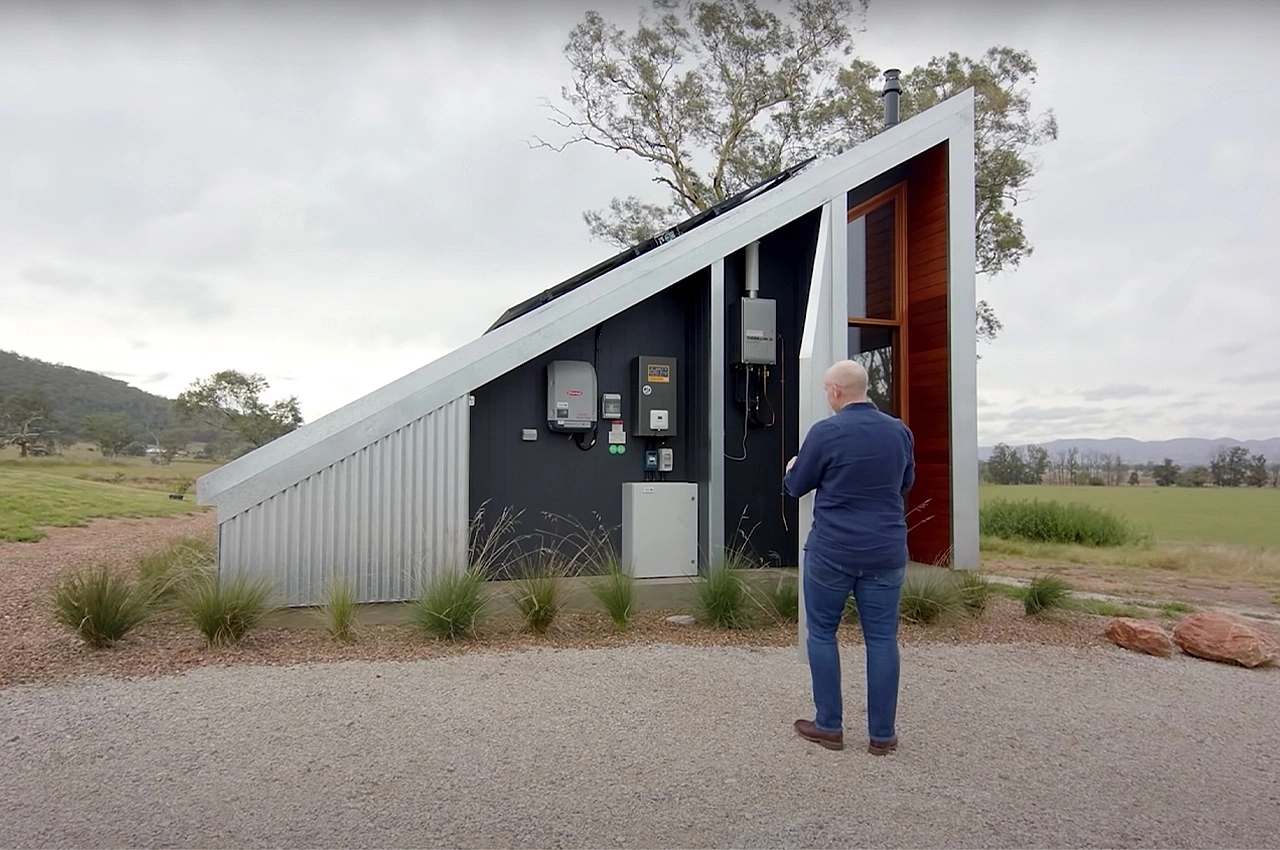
[(805, 474)]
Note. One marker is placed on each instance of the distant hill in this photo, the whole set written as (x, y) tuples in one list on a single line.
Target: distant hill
[(76, 393), (1186, 451)]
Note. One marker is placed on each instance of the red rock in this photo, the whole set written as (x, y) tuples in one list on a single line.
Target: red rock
[(1140, 636), (1224, 637)]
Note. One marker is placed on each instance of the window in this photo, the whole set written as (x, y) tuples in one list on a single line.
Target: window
[(877, 296)]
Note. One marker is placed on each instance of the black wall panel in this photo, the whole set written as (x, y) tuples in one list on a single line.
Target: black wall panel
[(756, 513), (552, 475)]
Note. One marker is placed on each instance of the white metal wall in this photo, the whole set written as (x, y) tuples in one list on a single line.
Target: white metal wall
[(381, 519)]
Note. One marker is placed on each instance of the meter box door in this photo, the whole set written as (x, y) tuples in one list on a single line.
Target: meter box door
[(660, 528), (655, 398), (571, 395)]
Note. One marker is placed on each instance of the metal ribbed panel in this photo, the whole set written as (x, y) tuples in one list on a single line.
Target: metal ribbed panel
[(382, 519)]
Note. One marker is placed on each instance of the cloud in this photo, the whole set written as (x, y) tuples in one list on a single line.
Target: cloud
[(190, 299), (1122, 391), (1268, 377), (64, 281)]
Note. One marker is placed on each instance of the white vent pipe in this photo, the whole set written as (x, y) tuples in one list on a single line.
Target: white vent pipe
[(753, 270)]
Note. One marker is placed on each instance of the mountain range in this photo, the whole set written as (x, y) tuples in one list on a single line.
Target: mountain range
[(1185, 451)]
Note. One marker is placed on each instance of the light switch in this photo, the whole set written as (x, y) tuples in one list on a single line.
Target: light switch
[(658, 420)]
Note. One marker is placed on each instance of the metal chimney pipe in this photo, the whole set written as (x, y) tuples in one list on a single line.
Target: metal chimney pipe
[(753, 270), (892, 90)]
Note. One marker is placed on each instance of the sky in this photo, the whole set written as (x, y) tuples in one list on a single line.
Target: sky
[(334, 195)]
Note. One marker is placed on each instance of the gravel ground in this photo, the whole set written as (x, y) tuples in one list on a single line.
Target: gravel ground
[(1010, 745)]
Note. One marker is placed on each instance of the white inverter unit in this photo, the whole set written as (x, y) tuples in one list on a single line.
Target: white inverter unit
[(660, 528)]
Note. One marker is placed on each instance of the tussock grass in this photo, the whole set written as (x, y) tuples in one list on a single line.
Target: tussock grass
[(975, 590), (723, 597), (539, 596), (339, 611), (166, 573), (451, 606), (99, 605), (224, 611), (616, 592), (782, 599), (928, 597), (1054, 522), (1044, 593)]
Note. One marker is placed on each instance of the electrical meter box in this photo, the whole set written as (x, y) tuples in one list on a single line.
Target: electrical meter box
[(655, 399), (571, 395), (660, 528), (755, 324)]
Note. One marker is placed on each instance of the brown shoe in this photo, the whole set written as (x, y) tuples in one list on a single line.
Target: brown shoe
[(882, 748), (831, 740)]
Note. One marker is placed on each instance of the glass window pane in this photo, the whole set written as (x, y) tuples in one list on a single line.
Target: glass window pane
[(873, 347), (871, 264)]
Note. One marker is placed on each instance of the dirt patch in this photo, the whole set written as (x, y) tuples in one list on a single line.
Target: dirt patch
[(1145, 583)]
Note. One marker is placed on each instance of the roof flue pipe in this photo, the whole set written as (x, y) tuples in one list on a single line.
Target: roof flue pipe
[(892, 90), (753, 270)]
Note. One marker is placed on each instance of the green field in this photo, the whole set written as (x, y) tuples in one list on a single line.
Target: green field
[(31, 497), (1238, 515)]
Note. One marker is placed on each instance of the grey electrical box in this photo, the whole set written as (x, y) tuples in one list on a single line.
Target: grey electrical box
[(571, 395), (660, 528), (655, 399), (755, 324), (611, 406)]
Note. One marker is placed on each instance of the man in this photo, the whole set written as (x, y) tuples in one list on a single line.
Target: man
[(860, 462)]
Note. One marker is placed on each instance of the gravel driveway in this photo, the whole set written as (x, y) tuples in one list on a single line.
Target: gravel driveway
[(648, 746)]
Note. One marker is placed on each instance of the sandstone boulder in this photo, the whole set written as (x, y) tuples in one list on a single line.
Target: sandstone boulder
[(1224, 637), (1140, 636)]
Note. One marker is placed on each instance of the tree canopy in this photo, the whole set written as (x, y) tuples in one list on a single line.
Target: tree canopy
[(717, 95), (231, 401)]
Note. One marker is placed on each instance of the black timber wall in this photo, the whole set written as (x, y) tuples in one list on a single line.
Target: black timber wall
[(552, 476), (756, 513)]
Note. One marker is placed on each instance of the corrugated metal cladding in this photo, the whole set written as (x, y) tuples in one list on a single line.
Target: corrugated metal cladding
[(383, 519)]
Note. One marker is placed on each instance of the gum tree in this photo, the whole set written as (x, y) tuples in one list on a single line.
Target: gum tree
[(716, 95)]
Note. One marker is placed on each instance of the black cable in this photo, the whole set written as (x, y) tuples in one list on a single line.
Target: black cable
[(746, 413), (595, 368)]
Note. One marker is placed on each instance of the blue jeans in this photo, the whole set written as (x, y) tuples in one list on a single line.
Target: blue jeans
[(877, 593)]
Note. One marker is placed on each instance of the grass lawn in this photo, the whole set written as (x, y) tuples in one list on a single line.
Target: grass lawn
[(1248, 516), (31, 497), (84, 463)]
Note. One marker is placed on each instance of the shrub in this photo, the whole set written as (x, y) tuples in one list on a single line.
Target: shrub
[(339, 611), (782, 599), (166, 573), (975, 590), (538, 598), (723, 597), (99, 605), (616, 591), (451, 605), (928, 596), (225, 611), (1053, 522), (1043, 593)]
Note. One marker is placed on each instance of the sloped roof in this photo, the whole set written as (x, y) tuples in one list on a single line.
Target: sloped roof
[(284, 462), (623, 257)]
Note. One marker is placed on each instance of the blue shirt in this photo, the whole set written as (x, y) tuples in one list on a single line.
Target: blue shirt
[(861, 463)]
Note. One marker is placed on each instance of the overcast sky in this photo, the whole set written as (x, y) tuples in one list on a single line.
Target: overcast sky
[(335, 197)]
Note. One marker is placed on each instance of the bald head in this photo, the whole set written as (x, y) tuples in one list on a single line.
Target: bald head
[(846, 383)]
